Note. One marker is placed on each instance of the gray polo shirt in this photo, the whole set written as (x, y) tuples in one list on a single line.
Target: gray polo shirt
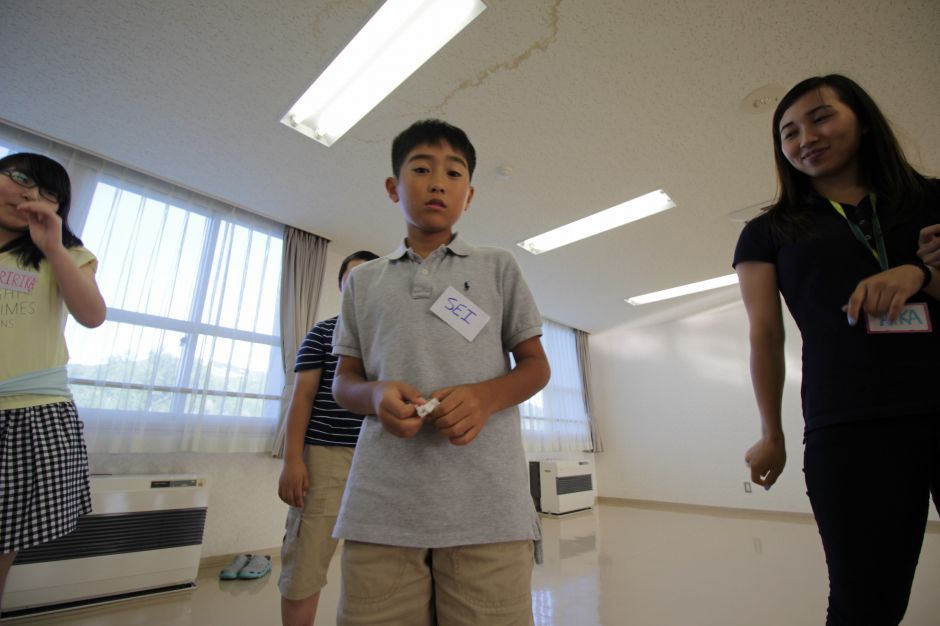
[(425, 491)]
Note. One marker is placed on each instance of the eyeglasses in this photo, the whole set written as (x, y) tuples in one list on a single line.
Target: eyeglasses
[(26, 181)]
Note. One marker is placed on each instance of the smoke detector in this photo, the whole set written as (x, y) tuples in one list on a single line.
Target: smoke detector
[(762, 99)]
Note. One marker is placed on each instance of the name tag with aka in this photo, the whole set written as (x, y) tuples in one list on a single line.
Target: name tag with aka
[(460, 313), (914, 318)]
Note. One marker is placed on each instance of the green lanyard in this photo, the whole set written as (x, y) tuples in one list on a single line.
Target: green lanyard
[(879, 252)]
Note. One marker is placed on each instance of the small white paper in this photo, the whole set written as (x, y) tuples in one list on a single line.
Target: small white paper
[(460, 313), (428, 407), (914, 318)]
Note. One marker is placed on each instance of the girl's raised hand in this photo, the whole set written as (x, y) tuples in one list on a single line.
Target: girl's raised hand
[(45, 225)]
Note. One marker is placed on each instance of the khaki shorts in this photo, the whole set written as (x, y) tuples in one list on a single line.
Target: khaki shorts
[(482, 585), (308, 538)]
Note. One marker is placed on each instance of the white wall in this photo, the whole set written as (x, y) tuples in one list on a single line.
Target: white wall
[(677, 413)]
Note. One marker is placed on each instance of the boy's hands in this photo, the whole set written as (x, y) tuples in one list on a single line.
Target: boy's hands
[(293, 484), (460, 417), (394, 403), (462, 413)]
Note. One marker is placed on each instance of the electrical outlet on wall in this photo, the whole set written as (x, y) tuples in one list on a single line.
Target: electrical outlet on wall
[(747, 486)]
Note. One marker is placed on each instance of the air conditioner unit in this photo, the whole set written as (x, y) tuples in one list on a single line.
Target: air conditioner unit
[(561, 486), (143, 536)]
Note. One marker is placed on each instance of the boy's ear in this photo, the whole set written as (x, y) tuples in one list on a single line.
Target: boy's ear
[(469, 198), (391, 187)]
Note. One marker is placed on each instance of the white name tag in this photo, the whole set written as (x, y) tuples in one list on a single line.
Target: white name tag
[(17, 280), (460, 313), (914, 318)]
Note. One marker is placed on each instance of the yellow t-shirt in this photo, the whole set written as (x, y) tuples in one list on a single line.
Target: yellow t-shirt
[(32, 322)]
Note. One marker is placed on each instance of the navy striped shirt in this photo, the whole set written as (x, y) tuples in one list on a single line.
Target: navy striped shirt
[(330, 424)]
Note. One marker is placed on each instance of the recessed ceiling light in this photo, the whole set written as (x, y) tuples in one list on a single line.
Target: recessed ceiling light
[(395, 42), (629, 211), (683, 290)]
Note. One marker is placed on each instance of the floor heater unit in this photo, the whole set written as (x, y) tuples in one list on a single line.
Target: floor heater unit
[(143, 536), (561, 486)]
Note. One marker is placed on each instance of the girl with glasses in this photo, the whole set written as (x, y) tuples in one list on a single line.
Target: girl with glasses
[(45, 274)]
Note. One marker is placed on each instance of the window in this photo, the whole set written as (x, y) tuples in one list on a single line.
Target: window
[(555, 419), (192, 326), (189, 356)]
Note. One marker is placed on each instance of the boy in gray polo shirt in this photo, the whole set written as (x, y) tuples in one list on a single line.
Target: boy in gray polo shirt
[(438, 523)]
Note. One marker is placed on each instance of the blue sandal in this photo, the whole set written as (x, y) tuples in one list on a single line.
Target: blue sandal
[(232, 570), (258, 566)]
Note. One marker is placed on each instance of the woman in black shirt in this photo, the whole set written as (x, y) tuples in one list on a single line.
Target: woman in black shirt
[(840, 245)]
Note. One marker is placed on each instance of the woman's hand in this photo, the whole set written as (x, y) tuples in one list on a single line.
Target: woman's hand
[(885, 293), (45, 225), (929, 241), (766, 458)]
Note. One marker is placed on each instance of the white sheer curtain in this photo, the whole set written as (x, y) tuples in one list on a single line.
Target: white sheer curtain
[(556, 419), (189, 357)]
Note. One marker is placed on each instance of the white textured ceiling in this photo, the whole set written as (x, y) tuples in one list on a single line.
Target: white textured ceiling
[(590, 102)]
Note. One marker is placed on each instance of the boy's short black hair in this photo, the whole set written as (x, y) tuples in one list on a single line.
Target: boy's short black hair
[(362, 255), (431, 132)]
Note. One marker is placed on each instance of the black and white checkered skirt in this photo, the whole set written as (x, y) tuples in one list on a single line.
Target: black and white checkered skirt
[(43, 474)]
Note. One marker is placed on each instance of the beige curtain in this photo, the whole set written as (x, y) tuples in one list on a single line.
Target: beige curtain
[(584, 361), (304, 262)]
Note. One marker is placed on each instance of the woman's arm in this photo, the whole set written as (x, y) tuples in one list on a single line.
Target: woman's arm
[(929, 245), (929, 252), (758, 281)]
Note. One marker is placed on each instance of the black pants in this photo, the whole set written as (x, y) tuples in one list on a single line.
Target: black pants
[(869, 484)]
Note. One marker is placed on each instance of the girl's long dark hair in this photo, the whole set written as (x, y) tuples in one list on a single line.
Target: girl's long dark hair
[(48, 174), (881, 160)]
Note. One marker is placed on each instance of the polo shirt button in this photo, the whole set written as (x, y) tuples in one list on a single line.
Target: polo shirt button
[(424, 271)]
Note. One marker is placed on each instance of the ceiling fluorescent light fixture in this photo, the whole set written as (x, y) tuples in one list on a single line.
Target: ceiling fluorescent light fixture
[(629, 211), (395, 42), (684, 290)]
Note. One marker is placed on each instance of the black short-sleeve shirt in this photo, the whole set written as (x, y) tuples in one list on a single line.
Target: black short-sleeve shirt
[(849, 374)]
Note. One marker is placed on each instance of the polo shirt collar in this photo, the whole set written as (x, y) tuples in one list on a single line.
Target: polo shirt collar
[(457, 246)]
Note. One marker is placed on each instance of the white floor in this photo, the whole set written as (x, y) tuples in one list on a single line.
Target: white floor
[(617, 565)]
